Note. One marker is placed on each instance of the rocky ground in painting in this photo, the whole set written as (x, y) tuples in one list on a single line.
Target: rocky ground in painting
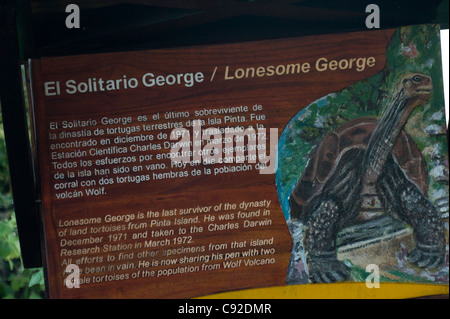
[(383, 241)]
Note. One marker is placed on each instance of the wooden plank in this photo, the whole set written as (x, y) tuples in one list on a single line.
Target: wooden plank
[(114, 208)]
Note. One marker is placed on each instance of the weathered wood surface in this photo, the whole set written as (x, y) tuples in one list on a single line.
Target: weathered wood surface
[(281, 97)]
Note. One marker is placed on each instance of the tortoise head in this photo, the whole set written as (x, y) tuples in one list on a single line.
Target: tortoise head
[(416, 88)]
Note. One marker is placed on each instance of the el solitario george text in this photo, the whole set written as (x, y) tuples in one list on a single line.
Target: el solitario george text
[(149, 79)]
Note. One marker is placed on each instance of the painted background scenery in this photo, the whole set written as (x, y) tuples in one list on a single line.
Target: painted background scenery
[(411, 49)]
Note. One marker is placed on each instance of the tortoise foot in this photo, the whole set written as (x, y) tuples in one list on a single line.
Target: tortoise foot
[(327, 270), (427, 256)]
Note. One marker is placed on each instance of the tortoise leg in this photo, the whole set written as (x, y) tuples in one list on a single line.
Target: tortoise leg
[(330, 211), (403, 198), (320, 242)]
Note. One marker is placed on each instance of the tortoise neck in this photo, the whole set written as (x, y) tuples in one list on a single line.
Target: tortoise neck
[(385, 135)]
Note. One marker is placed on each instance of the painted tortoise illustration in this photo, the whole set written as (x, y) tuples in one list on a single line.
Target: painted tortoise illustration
[(367, 160)]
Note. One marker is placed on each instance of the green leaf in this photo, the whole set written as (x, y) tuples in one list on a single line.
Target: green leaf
[(37, 278)]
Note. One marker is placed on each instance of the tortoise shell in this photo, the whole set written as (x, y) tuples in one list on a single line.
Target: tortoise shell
[(353, 134)]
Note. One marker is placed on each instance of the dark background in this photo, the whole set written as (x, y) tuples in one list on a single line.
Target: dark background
[(111, 25)]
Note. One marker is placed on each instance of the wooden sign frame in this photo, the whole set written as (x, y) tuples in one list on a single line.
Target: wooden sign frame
[(102, 164)]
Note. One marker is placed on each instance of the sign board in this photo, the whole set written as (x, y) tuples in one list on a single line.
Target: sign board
[(186, 172)]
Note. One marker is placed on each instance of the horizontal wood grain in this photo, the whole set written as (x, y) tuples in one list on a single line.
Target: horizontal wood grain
[(281, 97)]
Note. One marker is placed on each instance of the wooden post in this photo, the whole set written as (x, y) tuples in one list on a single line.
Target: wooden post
[(17, 141)]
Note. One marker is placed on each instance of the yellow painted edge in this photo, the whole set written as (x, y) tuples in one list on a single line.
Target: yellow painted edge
[(336, 291)]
